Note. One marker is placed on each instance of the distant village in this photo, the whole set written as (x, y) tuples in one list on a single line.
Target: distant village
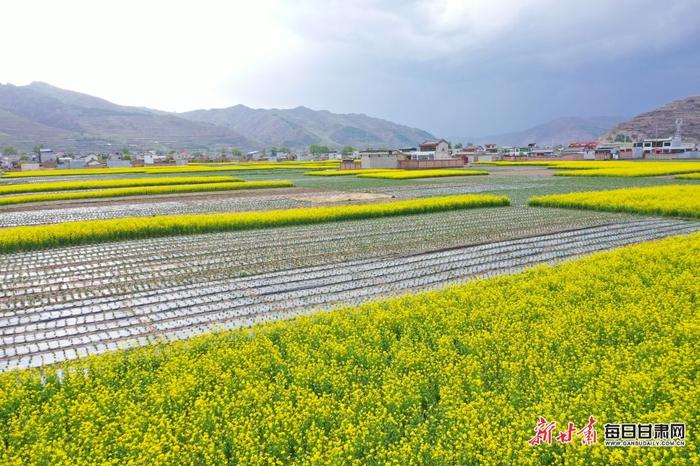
[(428, 154)]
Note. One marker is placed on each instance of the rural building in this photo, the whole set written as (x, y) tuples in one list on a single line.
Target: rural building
[(430, 164), (70, 163), (30, 167), (651, 146), (350, 164), (92, 161), (433, 150), (381, 158), (541, 151), (472, 154), (47, 156), (614, 151), (118, 163), (666, 148)]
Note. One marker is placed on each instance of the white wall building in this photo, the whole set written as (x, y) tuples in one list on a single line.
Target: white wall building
[(380, 158), (46, 156), (433, 150)]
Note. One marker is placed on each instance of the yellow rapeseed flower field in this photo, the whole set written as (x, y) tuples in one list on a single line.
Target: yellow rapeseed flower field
[(145, 191), (351, 172), (74, 172), (413, 174), (116, 183), (645, 169), (96, 231), (672, 200), (230, 167), (190, 168), (612, 167), (459, 376), (288, 164)]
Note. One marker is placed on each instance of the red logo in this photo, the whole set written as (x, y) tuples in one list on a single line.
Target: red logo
[(543, 432)]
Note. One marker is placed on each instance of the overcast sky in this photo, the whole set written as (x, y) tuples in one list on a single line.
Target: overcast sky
[(454, 68)]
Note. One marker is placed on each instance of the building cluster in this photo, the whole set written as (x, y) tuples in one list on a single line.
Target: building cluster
[(439, 154), (46, 158), (429, 154), (669, 148)]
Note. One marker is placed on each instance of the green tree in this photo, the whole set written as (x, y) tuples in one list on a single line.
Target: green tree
[(125, 151), (37, 149), (9, 150), (347, 150), (318, 149), (458, 146), (236, 152)]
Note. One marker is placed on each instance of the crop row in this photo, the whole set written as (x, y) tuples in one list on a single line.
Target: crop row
[(117, 183), (84, 272), (613, 167), (144, 191), (43, 333), (192, 168), (458, 376), (689, 176), (95, 231), (672, 200), (182, 205)]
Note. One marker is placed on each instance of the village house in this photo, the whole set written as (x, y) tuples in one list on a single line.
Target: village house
[(432, 150), (381, 158), (70, 163), (47, 156)]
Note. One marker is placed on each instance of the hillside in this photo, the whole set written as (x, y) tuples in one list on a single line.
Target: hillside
[(301, 126), (65, 120), (71, 121), (558, 131), (661, 122)]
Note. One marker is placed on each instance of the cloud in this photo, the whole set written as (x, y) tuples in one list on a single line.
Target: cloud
[(469, 67)]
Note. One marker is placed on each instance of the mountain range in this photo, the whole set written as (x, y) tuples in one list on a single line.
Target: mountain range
[(70, 121), (661, 122), (39, 113), (558, 131), (301, 127)]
